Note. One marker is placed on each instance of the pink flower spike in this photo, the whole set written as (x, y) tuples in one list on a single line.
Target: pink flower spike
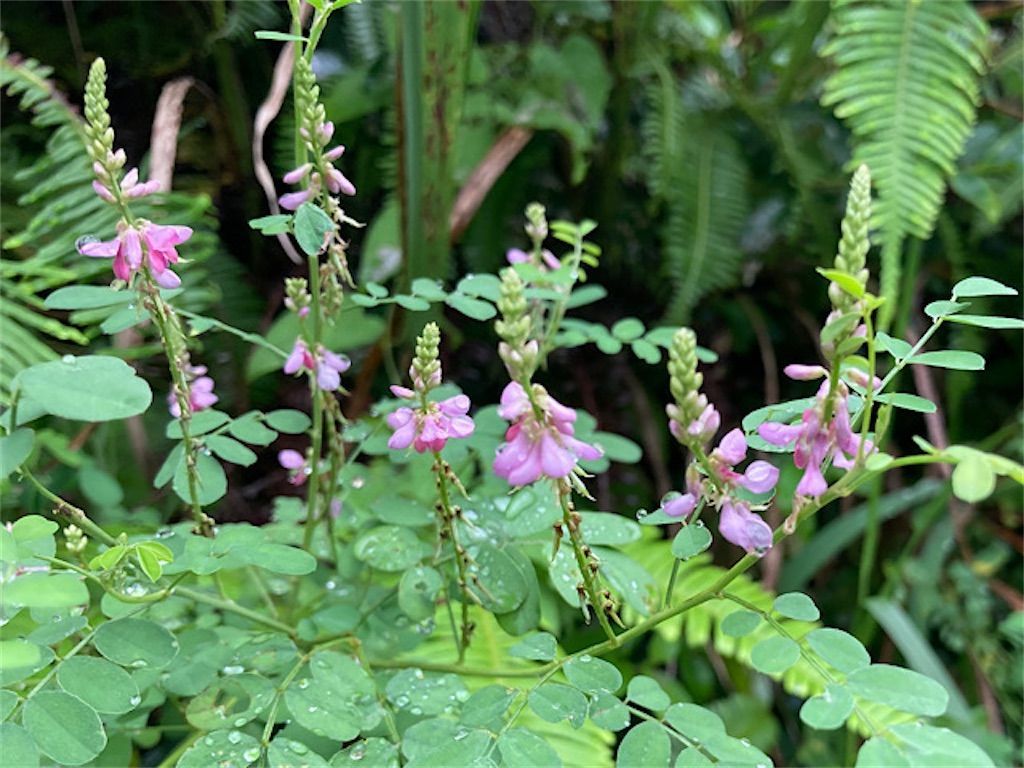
[(103, 192), (295, 175), (804, 372), (760, 477), (733, 448), (293, 200), (517, 256), (739, 526), (679, 505)]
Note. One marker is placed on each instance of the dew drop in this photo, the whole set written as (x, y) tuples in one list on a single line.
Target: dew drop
[(251, 755), (304, 683), (233, 669), (135, 700), (235, 737), (69, 359)]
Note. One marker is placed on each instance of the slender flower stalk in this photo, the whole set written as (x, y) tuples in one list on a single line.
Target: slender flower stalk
[(142, 253)]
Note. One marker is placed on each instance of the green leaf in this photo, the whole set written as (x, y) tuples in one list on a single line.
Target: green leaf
[(249, 428), (200, 423), (390, 548), (928, 745), (87, 297), (87, 388), (211, 481), (538, 646), (937, 309), (607, 712), (317, 706), (985, 321), (34, 536), (502, 585), (844, 280), (136, 643), (288, 421), (740, 623), (840, 326), (229, 449), (230, 702), (648, 693), (646, 351), (103, 686), (591, 674), (149, 563), (276, 224), (774, 655), (957, 359), (487, 706), (586, 294), (899, 688), (64, 728), (417, 592), (472, 308), (224, 749), (981, 286), (898, 348), (374, 752), (555, 702), (829, 710), (46, 591), (283, 37), (19, 751), (14, 449), (8, 699), (628, 329), (412, 303), (425, 693), (691, 541), (109, 558), (311, 225), (429, 289), (645, 746), (877, 752), (18, 653), (840, 649), (973, 479), (906, 401), (521, 749), (796, 605), (289, 753)]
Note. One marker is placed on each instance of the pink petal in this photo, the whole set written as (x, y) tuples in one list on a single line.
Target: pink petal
[(517, 256), (804, 372), (290, 459), (295, 175), (760, 477), (100, 250), (732, 449), (293, 200), (679, 505), (167, 279)]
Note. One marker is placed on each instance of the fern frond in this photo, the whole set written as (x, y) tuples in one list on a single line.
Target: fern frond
[(907, 85), (706, 216)]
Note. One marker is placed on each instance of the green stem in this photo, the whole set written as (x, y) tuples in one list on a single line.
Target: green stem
[(252, 338), (68, 512), (230, 606), (447, 527), (571, 519)]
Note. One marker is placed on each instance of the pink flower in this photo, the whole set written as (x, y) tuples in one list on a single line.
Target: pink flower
[(817, 442), (326, 365), (127, 252), (335, 181), (538, 444), (519, 256), (739, 526), (129, 187), (200, 396), (429, 428), (679, 504), (295, 462), (759, 477)]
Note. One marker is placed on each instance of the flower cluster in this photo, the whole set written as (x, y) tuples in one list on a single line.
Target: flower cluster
[(151, 245), (296, 464), (823, 435), (327, 366), (316, 132), (540, 441), (315, 175), (200, 391), (714, 477), (130, 186), (427, 426)]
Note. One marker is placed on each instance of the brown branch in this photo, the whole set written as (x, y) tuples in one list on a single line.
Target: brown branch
[(163, 142), (484, 176)]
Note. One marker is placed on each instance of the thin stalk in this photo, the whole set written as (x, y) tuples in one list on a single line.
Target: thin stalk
[(571, 520), (447, 528), (68, 512)]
